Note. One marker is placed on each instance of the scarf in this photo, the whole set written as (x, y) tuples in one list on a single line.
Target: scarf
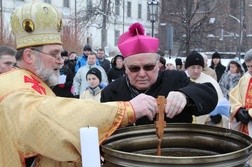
[(94, 91), (134, 92)]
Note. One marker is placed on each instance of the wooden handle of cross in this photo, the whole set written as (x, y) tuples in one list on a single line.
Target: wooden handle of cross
[(160, 122)]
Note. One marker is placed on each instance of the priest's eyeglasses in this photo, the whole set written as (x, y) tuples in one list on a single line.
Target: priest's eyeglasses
[(147, 67), (54, 55)]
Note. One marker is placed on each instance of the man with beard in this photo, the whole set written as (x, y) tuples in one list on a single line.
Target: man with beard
[(143, 75), (38, 128)]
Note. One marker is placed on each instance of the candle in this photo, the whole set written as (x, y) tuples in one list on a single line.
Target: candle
[(90, 147)]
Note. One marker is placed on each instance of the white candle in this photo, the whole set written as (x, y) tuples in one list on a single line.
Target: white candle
[(90, 147)]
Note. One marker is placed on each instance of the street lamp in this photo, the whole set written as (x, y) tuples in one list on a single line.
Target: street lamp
[(152, 6)]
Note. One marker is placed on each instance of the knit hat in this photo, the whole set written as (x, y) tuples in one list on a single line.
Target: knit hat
[(194, 58), (216, 55), (64, 53), (87, 48), (96, 72), (35, 24), (178, 61), (134, 41)]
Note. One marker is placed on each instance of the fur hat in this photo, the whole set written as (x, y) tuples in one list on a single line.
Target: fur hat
[(194, 58), (216, 55), (35, 24), (94, 71), (134, 41)]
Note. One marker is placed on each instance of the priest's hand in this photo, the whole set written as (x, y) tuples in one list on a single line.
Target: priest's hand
[(144, 105), (175, 103)]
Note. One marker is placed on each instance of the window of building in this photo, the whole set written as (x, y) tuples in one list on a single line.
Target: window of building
[(66, 3), (139, 11), (117, 7), (117, 34), (128, 9)]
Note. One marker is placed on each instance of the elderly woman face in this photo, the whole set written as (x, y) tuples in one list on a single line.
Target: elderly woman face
[(142, 70)]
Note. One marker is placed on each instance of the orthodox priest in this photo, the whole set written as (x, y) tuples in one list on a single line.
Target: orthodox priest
[(241, 100)]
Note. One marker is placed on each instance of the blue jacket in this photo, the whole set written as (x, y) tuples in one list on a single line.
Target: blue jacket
[(81, 61)]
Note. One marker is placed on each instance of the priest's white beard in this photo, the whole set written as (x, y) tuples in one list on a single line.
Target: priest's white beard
[(49, 76)]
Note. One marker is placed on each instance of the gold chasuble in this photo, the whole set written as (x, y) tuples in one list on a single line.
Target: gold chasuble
[(36, 123), (241, 97), (248, 105)]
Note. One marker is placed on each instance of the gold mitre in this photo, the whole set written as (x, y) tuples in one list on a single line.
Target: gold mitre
[(36, 24)]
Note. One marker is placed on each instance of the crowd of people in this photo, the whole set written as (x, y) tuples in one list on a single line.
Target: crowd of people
[(56, 92), (195, 66)]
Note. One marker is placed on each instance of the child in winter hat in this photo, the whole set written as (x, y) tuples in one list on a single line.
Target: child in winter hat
[(93, 91)]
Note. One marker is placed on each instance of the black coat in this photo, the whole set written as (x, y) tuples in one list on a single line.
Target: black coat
[(202, 97), (64, 90), (219, 69), (105, 63), (114, 73)]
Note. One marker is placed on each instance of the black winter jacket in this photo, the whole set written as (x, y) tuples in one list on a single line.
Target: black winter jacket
[(202, 97)]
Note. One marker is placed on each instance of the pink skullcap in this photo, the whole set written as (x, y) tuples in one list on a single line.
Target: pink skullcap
[(134, 41)]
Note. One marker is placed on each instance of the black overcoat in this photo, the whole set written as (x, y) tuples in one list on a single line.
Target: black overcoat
[(202, 97)]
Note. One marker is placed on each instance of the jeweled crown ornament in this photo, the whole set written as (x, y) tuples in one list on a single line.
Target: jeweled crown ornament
[(35, 24)]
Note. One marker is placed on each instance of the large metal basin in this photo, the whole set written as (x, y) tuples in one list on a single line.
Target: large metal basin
[(186, 145)]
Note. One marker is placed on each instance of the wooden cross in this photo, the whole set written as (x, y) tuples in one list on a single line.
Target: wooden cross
[(160, 122)]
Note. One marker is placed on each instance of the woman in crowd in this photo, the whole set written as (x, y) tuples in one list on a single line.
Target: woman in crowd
[(117, 70), (231, 77), (217, 66)]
